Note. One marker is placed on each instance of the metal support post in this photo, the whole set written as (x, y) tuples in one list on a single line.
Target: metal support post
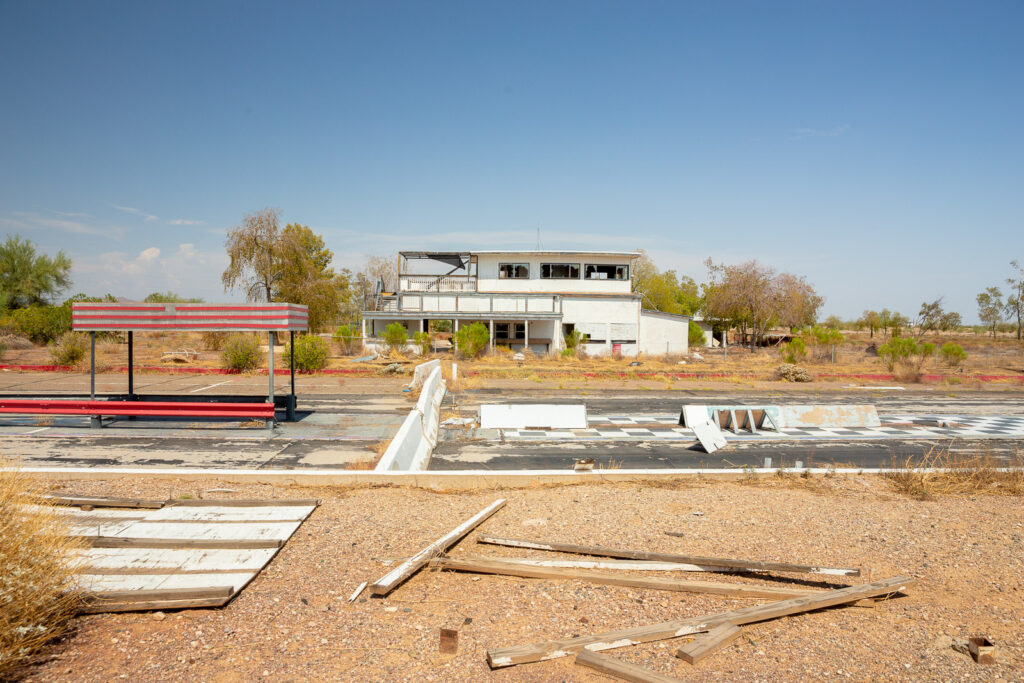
[(270, 375), (131, 363), (291, 398), (94, 420)]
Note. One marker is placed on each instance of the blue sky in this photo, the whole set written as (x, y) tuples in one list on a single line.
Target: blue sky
[(875, 148)]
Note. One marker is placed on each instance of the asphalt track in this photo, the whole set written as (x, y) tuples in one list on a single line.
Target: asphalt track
[(343, 421)]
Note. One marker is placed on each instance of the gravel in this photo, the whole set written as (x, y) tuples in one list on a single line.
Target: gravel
[(294, 622)]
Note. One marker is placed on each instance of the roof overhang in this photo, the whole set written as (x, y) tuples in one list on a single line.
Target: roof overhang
[(130, 317)]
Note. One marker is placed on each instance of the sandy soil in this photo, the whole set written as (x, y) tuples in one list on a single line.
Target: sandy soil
[(294, 622)]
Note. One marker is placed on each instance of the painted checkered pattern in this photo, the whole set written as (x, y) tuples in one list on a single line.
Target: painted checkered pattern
[(665, 427)]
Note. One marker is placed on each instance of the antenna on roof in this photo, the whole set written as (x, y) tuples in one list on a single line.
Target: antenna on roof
[(538, 239)]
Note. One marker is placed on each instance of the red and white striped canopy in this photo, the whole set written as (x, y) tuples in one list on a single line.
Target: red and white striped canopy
[(272, 317)]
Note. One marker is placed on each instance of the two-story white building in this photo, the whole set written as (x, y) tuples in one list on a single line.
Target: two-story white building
[(529, 299)]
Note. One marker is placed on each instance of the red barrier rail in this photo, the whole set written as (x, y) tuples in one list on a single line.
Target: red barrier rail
[(138, 408)]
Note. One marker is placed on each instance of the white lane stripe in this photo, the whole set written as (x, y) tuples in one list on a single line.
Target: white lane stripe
[(36, 431), (210, 387)]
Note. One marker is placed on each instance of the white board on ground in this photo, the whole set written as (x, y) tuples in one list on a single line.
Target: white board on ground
[(177, 559), (278, 531), (533, 416), (285, 513), (145, 582), (708, 433)]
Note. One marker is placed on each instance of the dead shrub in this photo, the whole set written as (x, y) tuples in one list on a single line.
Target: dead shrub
[(37, 572), (942, 473), (14, 342)]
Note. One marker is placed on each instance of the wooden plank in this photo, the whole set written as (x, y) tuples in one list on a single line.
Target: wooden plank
[(521, 654), (79, 501), (358, 591), (718, 638), (492, 566), (389, 581), (622, 565), (101, 560), (192, 603), (621, 670), (281, 531), (210, 543), (158, 594), (750, 565), (244, 502), (175, 513), (101, 583)]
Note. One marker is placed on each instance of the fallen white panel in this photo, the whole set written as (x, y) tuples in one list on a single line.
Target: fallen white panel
[(533, 416), (145, 582), (829, 415), (708, 433), (285, 513), (214, 531), (177, 559)]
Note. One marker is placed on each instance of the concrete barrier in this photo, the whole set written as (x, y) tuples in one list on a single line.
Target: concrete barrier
[(794, 416), (422, 372), (414, 442), (533, 416)]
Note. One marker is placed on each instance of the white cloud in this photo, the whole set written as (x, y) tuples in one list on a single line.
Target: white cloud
[(147, 255), (136, 212), (28, 220), (185, 221)]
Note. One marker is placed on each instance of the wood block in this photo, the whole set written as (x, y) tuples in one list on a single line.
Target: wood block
[(716, 639), (621, 670)]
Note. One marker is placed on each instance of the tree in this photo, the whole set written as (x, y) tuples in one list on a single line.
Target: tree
[(254, 248), (380, 274), (798, 302), (1015, 297), (871, 320), (307, 277), (291, 265), (28, 278), (990, 308), (897, 323), (169, 297), (932, 318), (755, 296), (885, 321), (833, 322), (664, 291)]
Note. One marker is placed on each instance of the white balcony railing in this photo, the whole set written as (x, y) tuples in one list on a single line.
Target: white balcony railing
[(437, 283)]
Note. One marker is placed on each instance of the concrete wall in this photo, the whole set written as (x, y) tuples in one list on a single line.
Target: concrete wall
[(411, 447), (661, 334), (488, 280), (607, 322)]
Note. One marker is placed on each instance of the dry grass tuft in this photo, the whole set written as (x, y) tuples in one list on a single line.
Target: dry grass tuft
[(37, 590), (942, 473)]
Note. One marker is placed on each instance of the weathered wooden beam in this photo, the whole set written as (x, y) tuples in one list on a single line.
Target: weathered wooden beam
[(621, 670), (89, 501), (521, 654), (389, 581), (496, 566), (718, 638), (243, 502), (600, 551), (623, 565), (204, 543)]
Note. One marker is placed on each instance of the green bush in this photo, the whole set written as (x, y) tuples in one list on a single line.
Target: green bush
[(440, 325), (471, 339), (568, 353), (41, 324), (395, 337), (345, 338), (695, 335), (213, 341), (574, 339), (905, 357), (69, 349), (422, 340), (241, 352), (793, 351), (953, 354), (310, 353)]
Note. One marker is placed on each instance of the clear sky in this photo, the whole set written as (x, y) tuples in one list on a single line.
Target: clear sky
[(875, 147)]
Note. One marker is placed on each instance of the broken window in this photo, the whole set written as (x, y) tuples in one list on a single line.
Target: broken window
[(560, 271), (509, 331), (514, 271), (599, 271)]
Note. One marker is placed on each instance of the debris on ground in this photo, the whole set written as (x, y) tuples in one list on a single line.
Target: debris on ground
[(792, 373)]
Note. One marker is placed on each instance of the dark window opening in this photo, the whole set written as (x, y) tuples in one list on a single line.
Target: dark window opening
[(507, 330), (560, 271), (514, 271), (597, 271)]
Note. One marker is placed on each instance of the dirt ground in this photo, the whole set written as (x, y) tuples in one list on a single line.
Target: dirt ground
[(294, 622)]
